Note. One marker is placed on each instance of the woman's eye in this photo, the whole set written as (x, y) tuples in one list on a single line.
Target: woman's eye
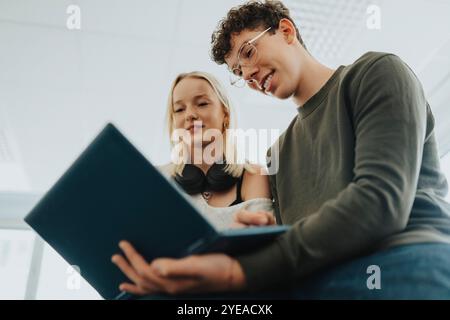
[(178, 110), (202, 104)]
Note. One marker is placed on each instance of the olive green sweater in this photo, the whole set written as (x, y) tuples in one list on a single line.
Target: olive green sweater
[(358, 172)]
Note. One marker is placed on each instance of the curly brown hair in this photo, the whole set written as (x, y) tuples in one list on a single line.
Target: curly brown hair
[(251, 15)]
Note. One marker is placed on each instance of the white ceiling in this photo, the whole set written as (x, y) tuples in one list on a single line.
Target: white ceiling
[(58, 87)]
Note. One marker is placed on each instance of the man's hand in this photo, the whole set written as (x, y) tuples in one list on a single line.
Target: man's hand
[(244, 218), (194, 274)]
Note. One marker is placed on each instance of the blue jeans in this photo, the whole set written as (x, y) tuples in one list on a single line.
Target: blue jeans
[(415, 271)]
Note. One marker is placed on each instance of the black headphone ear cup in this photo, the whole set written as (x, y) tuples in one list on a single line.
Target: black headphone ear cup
[(219, 180), (192, 180)]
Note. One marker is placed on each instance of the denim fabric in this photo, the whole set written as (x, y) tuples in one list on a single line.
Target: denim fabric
[(415, 271)]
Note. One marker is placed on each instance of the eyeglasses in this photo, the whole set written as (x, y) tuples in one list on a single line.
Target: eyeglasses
[(247, 57)]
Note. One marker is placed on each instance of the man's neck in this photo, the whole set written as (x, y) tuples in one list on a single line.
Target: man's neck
[(314, 76)]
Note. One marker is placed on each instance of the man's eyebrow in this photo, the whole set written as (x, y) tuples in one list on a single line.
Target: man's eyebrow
[(196, 97)]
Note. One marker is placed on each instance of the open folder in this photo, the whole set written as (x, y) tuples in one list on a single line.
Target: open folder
[(112, 193)]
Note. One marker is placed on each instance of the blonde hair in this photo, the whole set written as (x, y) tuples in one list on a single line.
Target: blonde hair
[(232, 167)]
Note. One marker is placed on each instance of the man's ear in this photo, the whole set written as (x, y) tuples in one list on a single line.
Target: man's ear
[(287, 29)]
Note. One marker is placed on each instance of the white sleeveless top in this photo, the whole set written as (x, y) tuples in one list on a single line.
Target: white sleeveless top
[(222, 217)]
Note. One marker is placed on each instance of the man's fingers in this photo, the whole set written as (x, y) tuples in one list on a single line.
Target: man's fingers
[(182, 268), (140, 266), (146, 280), (125, 267), (168, 286), (134, 289), (136, 260), (183, 286)]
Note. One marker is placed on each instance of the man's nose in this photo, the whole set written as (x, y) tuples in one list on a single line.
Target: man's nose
[(249, 72)]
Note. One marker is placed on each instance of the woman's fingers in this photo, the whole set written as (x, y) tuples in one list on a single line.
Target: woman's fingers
[(238, 225), (271, 218), (259, 218)]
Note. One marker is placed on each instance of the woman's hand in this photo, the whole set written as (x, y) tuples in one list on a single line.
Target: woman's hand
[(193, 274), (244, 218)]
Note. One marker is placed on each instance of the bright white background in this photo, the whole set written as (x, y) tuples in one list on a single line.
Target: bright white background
[(58, 87)]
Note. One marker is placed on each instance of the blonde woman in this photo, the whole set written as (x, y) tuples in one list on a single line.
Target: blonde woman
[(219, 186)]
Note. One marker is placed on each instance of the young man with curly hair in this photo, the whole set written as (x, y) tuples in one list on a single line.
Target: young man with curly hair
[(358, 180)]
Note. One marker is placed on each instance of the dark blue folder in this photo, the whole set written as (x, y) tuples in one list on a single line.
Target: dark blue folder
[(112, 193)]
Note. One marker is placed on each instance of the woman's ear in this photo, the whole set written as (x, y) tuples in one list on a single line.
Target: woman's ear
[(226, 118), (287, 29), (226, 122)]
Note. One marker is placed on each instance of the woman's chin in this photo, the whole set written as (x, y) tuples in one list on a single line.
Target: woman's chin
[(199, 142)]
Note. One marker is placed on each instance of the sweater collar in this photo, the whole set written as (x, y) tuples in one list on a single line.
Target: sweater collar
[(318, 97)]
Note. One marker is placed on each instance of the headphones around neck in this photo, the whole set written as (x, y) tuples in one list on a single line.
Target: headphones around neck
[(194, 181)]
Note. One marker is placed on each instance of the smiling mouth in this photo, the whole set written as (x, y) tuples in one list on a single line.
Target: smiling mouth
[(266, 83), (195, 128)]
